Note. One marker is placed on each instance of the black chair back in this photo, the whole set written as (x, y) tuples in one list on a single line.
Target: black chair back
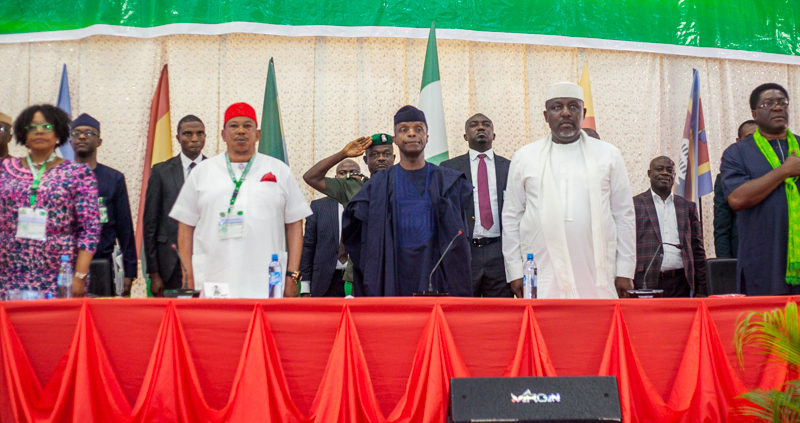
[(101, 277), (721, 276)]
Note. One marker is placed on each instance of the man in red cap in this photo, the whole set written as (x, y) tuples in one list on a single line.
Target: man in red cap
[(237, 209)]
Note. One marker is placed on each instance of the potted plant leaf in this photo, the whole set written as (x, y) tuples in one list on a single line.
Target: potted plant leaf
[(775, 333)]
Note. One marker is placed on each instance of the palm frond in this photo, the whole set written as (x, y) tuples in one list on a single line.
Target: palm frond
[(774, 332), (775, 405)]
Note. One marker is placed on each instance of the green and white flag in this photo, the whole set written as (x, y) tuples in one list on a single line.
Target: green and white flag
[(430, 102)]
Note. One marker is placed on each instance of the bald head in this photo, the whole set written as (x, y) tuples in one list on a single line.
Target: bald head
[(663, 159), (346, 167)]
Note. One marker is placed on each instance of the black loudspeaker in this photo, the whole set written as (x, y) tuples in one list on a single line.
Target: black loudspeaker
[(534, 399)]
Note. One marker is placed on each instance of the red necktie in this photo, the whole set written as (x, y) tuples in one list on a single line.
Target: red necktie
[(484, 203)]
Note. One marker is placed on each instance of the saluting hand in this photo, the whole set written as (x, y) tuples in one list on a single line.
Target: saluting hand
[(357, 147)]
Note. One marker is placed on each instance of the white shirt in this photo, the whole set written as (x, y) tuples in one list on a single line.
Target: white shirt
[(491, 177), (267, 207), (186, 162), (523, 209), (668, 224)]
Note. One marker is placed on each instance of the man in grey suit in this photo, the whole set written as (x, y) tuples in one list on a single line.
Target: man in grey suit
[(324, 260), (488, 173), (166, 180)]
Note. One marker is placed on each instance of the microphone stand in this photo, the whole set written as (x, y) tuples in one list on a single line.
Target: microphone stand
[(431, 291), (646, 292), (183, 291)]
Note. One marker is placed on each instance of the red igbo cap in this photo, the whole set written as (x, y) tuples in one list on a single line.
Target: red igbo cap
[(240, 109)]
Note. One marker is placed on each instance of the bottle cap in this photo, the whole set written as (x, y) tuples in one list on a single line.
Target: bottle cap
[(274, 257), (530, 256), (65, 258)]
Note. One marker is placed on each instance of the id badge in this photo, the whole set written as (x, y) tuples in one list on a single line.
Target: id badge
[(32, 224), (103, 210), (230, 227)]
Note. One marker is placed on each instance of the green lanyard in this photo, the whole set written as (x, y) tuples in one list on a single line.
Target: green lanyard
[(237, 183), (37, 178)]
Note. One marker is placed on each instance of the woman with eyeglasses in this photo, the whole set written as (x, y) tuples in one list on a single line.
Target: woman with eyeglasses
[(48, 208)]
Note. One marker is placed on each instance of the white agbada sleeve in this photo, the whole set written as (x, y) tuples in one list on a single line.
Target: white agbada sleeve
[(186, 208), (296, 207), (624, 218), (513, 209)]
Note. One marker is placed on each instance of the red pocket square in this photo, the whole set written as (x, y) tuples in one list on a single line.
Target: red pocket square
[(268, 177)]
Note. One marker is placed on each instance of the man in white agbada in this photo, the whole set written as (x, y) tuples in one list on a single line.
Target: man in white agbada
[(237, 209), (568, 201)]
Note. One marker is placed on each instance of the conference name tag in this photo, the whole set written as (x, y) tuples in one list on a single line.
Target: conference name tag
[(230, 227), (32, 224), (103, 210)]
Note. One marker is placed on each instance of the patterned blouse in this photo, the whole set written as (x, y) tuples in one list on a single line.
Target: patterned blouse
[(68, 192)]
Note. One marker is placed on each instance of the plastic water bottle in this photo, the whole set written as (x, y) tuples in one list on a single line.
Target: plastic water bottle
[(65, 278), (529, 278), (275, 289)]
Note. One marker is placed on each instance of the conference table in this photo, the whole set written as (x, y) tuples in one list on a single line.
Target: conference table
[(363, 359)]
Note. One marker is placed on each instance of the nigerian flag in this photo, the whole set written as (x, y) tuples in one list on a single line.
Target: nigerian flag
[(430, 102)]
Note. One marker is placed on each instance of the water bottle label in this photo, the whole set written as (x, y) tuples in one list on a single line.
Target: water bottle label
[(274, 278)]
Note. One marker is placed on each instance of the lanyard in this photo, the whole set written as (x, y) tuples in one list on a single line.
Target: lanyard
[(237, 183), (37, 176)]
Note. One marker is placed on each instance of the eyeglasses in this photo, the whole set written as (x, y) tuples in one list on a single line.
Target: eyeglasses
[(44, 127), (769, 104), (5, 129), (87, 133)]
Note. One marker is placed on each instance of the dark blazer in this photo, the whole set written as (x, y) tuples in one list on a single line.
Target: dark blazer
[(501, 164), (161, 231), (726, 237), (321, 245), (648, 238)]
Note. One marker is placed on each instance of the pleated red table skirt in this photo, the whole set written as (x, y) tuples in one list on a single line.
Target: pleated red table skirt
[(364, 359)]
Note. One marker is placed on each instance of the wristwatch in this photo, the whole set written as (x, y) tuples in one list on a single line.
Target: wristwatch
[(296, 276), (80, 275)]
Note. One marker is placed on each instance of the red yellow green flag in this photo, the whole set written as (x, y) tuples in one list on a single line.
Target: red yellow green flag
[(159, 145)]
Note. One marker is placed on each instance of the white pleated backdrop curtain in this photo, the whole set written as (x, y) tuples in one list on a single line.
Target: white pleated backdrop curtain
[(332, 90)]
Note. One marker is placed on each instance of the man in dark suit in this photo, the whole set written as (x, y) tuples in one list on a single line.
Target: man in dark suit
[(669, 241), (488, 173), (166, 180), (324, 260), (115, 210)]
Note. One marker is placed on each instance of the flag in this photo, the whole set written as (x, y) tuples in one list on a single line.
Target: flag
[(158, 149), (694, 169), (272, 142), (430, 102), (588, 120), (65, 150)]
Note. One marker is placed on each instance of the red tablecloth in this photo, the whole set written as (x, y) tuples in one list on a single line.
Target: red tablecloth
[(379, 359)]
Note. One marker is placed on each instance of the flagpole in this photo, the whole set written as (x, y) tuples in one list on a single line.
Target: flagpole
[(700, 212)]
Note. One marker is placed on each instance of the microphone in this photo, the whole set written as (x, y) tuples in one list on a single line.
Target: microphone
[(646, 292), (658, 250), (431, 291)]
